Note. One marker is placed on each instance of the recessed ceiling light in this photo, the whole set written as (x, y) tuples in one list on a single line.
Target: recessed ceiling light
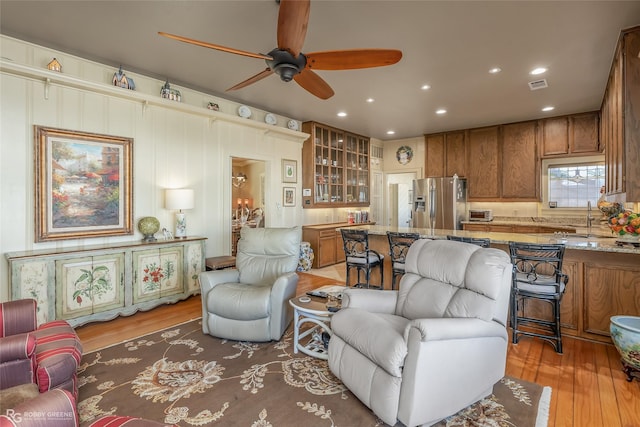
[(549, 108), (370, 100), (391, 132), (342, 114), (539, 70), (425, 87), (495, 70), (441, 111)]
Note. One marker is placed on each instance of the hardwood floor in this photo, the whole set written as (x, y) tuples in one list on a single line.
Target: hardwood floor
[(589, 387)]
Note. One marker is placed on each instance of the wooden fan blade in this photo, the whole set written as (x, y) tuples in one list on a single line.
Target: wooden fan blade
[(215, 46), (352, 59), (293, 19), (261, 75), (314, 84)]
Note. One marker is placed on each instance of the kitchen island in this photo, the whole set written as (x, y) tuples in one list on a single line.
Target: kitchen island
[(604, 278)]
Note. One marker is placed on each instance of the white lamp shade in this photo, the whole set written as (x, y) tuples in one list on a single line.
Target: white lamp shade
[(178, 199)]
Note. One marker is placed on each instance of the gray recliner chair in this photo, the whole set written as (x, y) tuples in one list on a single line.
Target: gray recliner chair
[(435, 346), (251, 303)]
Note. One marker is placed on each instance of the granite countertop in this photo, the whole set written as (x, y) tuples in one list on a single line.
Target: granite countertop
[(598, 241)]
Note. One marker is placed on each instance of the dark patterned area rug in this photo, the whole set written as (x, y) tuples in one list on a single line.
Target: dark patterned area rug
[(181, 376)]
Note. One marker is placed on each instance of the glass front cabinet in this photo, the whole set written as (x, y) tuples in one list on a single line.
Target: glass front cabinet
[(335, 168)]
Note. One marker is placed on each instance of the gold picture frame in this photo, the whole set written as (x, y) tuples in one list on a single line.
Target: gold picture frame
[(289, 171), (83, 185)]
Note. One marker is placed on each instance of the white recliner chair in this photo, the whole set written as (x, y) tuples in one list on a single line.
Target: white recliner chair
[(435, 346), (251, 303)]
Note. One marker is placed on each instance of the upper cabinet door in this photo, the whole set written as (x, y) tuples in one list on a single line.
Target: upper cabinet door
[(519, 171), (583, 133), (434, 155), (455, 154), (483, 152), (555, 136)]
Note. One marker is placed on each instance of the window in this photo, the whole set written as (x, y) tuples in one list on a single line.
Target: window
[(572, 183)]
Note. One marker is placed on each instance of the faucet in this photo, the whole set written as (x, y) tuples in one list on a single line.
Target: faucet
[(589, 219)]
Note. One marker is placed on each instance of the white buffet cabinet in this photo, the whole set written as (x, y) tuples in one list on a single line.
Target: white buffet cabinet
[(97, 283)]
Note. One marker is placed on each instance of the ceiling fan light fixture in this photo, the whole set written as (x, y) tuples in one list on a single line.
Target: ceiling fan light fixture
[(286, 71), (285, 64)]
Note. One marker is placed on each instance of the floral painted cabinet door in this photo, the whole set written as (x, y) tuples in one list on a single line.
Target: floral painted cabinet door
[(194, 257), (88, 285), (30, 279), (157, 273)]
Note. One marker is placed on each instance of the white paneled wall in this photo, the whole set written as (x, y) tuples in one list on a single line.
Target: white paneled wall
[(172, 148)]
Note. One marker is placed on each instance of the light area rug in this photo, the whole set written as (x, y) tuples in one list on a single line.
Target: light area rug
[(182, 376)]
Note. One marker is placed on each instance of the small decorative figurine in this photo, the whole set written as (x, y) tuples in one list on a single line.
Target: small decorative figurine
[(213, 106), (121, 80), (54, 65), (167, 93)]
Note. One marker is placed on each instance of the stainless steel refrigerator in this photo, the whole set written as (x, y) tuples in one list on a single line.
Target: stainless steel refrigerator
[(439, 203)]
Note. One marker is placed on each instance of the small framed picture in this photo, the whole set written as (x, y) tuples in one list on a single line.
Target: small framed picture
[(289, 171), (289, 196)]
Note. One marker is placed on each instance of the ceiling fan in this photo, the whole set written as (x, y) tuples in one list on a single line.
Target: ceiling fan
[(288, 61)]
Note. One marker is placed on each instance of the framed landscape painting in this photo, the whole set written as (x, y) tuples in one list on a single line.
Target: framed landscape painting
[(83, 184)]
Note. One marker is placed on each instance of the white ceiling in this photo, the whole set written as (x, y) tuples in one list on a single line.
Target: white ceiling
[(448, 44)]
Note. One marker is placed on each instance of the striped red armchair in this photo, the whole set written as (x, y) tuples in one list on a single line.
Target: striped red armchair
[(47, 355)]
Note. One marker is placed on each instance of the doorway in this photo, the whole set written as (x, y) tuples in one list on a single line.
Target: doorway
[(247, 196), (399, 188)]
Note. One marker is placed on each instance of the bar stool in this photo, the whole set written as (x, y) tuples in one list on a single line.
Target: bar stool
[(483, 243), (399, 244), (537, 274), (359, 256)]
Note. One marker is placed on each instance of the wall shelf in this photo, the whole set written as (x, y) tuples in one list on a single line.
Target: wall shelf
[(53, 78)]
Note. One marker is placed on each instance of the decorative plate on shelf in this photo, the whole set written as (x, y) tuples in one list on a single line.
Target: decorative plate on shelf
[(244, 111), (292, 124), (270, 119), (404, 154)]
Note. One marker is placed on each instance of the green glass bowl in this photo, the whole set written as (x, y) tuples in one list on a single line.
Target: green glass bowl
[(149, 226)]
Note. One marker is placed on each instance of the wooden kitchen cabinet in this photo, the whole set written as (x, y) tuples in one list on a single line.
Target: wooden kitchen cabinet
[(483, 156), (520, 172), (446, 154), (335, 167), (456, 154), (326, 242), (434, 151), (503, 163), (569, 306), (97, 283), (584, 137), (577, 134), (555, 136), (604, 283), (620, 120)]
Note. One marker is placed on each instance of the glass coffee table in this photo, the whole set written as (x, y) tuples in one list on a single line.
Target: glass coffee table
[(311, 318)]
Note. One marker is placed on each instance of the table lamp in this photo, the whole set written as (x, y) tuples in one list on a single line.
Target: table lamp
[(179, 199)]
